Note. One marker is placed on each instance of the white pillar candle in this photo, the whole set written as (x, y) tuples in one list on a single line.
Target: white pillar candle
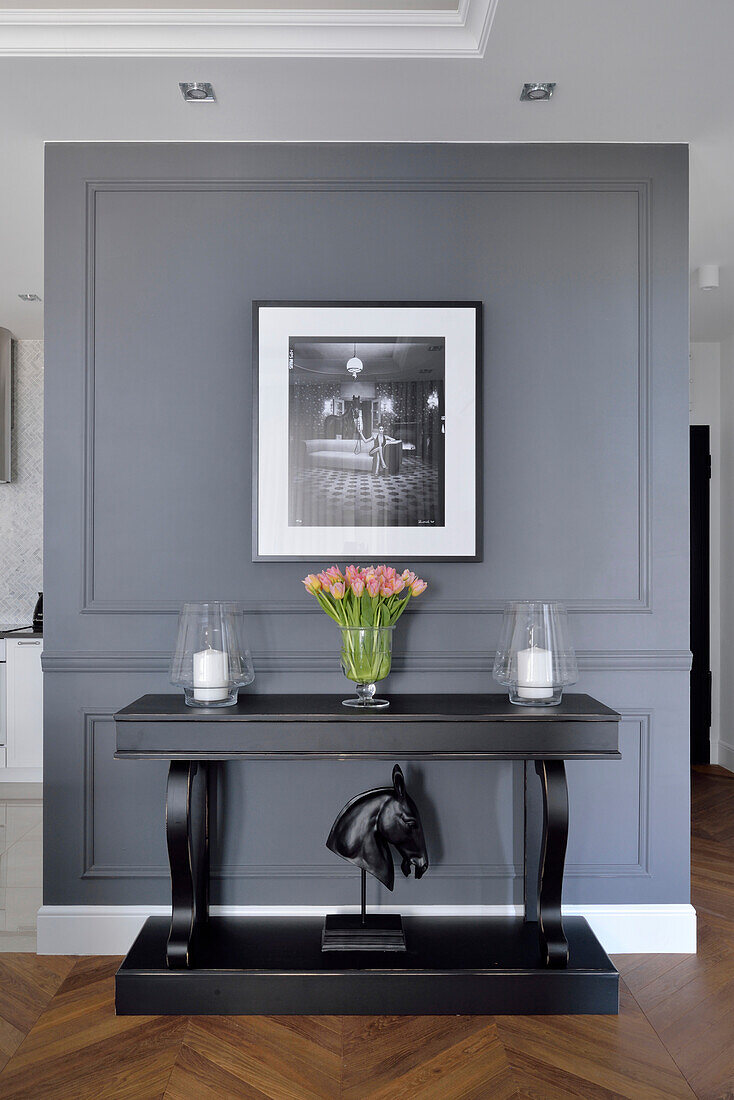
[(534, 673), (211, 675)]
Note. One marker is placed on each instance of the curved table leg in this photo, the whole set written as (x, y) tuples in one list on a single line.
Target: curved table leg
[(187, 834), (553, 942)]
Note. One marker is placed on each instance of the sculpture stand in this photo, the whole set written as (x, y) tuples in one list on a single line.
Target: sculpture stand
[(363, 932)]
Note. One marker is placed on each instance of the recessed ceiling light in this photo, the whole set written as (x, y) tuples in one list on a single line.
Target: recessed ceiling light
[(29, 298), (537, 91), (197, 91)]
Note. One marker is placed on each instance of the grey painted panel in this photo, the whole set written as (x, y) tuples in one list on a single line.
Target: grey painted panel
[(165, 433), (574, 301), (620, 817), (606, 793), (124, 813)]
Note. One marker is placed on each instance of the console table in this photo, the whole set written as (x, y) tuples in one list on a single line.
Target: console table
[(195, 963)]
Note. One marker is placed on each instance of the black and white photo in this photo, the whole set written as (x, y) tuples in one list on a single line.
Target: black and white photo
[(366, 432), (366, 429)]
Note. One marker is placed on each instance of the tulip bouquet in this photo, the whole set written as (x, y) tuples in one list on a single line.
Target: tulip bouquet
[(371, 597), (365, 604)]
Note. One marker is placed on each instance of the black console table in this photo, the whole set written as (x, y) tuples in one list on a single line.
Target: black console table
[(195, 963)]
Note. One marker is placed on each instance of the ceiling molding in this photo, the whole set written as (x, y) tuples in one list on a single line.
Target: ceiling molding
[(75, 32)]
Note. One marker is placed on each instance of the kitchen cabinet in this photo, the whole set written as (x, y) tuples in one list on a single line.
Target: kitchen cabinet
[(21, 710)]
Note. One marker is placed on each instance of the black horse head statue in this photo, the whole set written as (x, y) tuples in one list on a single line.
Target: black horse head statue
[(371, 822)]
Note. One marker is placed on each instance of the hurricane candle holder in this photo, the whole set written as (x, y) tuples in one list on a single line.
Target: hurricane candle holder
[(535, 659), (211, 661)]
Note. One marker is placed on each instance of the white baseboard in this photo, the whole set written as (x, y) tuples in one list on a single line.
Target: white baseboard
[(111, 929), (725, 755)]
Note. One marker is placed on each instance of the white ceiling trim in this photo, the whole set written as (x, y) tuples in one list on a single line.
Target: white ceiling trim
[(225, 33)]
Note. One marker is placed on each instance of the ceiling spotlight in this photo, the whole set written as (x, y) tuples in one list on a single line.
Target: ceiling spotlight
[(197, 91), (708, 277), (537, 91), (29, 298)]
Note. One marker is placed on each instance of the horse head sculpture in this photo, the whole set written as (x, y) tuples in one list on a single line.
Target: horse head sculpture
[(371, 822)]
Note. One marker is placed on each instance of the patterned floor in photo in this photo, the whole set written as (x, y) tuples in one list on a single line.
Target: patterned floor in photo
[(342, 498)]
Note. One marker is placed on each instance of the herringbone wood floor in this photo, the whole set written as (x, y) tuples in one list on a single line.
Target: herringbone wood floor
[(674, 1036)]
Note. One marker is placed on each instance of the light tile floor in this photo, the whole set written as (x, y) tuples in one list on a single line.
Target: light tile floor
[(21, 864)]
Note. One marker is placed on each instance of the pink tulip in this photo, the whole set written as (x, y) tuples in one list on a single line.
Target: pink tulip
[(398, 585), (373, 586), (417, 587), (351, 572), (337, 590), (312, 583), (357, 586), (334, 572), (409, 577)]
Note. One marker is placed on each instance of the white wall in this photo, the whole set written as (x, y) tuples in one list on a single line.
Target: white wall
[(705, 408)]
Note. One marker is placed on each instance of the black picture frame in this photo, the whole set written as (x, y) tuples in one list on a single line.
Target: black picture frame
[(477, 307)]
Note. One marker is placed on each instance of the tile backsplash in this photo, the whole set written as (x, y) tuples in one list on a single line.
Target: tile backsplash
[(21, 500)]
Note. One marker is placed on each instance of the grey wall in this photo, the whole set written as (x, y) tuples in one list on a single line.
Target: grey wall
[(154, 254), (21, 499)]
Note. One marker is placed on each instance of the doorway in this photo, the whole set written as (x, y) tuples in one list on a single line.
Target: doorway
[(700, 519)]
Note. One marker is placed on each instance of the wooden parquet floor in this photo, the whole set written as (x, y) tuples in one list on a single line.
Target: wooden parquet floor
[(674, 1036)]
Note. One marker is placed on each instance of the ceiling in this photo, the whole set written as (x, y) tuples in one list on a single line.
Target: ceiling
[(626, 71)]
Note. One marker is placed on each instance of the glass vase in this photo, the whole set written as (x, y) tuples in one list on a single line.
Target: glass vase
[(535, 659), (212, 661), (366, 655)]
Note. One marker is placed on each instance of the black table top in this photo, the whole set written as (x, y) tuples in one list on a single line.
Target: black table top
[(318, 726), (329, 708)]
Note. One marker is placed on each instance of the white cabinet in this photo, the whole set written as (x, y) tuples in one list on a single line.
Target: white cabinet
[(23, 704), (3, 708)]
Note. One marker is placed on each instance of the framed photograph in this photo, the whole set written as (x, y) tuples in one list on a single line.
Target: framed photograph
[(367, 432)]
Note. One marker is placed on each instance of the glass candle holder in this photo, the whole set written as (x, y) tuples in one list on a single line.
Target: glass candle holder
[(535, 659), (211, 661)]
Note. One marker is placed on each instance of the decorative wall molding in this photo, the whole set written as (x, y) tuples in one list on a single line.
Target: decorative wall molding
[(111, 929), (92, 870), (641, 603), (298, 871), (633, 660), (191, 32), (641, 867), (90, 721), (474, 871)]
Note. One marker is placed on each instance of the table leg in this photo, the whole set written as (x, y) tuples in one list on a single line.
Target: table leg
[(187, 833), (553, 942)]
